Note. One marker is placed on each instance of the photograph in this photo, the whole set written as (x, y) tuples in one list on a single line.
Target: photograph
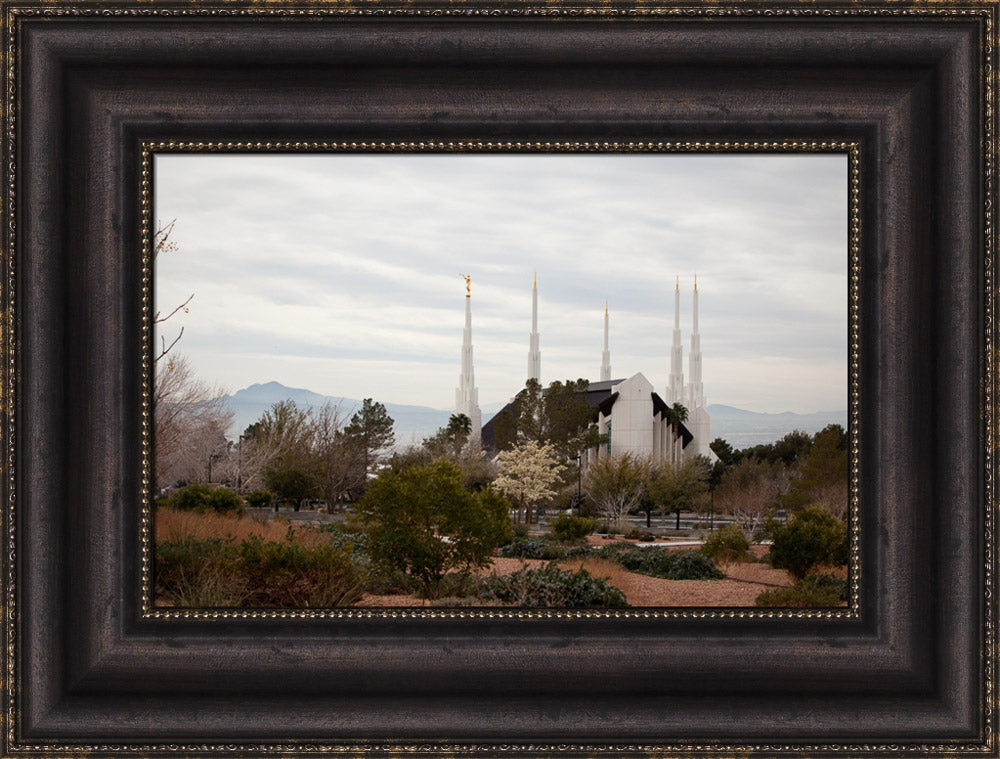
[(559, 380)]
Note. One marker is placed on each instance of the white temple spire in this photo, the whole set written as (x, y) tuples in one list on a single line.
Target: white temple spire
[(467, 395), (675, 390), (534, 354), (696, 390), (606, 355)]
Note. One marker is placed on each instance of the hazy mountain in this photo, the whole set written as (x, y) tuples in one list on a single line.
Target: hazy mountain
[(412, 423), (741, 428)]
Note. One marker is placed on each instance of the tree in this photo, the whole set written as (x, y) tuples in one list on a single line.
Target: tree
[(558, 415), (280, 455), (162, 243), (451, 439), (190, 420), (528, 473), (617, 485), (822, 476), (749, 492), (421, 521), (338, 456), (293, 477), (371, 429), (672, 488)]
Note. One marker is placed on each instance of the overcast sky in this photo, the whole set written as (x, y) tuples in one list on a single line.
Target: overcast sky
[(340, 273)]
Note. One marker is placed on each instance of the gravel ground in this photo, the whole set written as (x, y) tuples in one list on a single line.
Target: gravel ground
[(744, 583)]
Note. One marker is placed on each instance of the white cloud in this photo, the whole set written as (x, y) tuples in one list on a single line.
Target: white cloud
[(340, 272)]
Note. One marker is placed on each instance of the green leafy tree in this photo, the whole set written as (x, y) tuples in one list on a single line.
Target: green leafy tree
[(822, 476), (559, 415), (371, 429), (672, 488), (421, 521), (528, 474), (451, 439), (293, 477)]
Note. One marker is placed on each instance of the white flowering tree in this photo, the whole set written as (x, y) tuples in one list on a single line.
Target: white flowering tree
[(528, 473)]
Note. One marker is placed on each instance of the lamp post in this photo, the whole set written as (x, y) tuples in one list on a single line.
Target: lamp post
[(239, 462), (579, 484)]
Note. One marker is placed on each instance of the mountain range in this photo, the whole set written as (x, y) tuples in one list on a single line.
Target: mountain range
[(740, 427)]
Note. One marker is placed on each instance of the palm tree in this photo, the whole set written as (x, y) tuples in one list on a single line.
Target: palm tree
[(677, 414)]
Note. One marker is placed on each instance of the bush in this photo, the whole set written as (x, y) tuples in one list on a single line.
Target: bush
[(287, 574), (216, 572), (532, 548), (550, 586), (408, 514), (260, 499), (659, 562), (812, 590), (727, 545), (637, 534), (225, 501), (812, 537), (200, 498), (569, 527)]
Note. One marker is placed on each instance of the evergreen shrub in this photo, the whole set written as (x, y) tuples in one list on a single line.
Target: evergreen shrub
[(659, 562), (569, 527), (727, 545), (550, 586), (816, 590), (260, 499), (812, 537)]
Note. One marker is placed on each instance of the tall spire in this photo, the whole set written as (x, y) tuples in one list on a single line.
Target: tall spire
[(675, 391), (534, 354), (696, 391), (606, 355), (467, 395)]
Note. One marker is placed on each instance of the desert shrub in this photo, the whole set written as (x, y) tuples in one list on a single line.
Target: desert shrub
[(520, 529), (659, 562), (727, 545), (254, 572), (533, 548), (550, 586), (287, 574), (200, 498), (570, 527), (408, 514), (260, 499), (813, 590), (199, 573), (812, 537), (189, 498), (225, 501), (636, 534)]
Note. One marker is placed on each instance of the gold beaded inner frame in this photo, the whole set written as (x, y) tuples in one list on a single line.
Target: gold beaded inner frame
[(850, 149)]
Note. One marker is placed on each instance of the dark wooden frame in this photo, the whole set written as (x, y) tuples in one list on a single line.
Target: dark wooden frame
[(913, 671)]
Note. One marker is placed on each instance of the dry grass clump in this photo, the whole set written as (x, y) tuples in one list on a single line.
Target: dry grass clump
[(175, 526)]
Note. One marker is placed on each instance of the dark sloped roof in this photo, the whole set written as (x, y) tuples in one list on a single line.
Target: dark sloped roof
[(600, 398)]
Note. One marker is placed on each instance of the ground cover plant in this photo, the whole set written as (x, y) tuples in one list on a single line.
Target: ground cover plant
[(550, 586), (657, 562), (815, 590)]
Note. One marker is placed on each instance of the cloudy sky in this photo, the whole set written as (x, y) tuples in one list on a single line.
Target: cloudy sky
[(341, 273)]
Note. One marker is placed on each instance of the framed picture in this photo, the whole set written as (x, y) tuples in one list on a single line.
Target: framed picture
[(101, 97)]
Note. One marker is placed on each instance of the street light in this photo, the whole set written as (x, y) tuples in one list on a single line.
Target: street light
[(579, 484), (239, 462)]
